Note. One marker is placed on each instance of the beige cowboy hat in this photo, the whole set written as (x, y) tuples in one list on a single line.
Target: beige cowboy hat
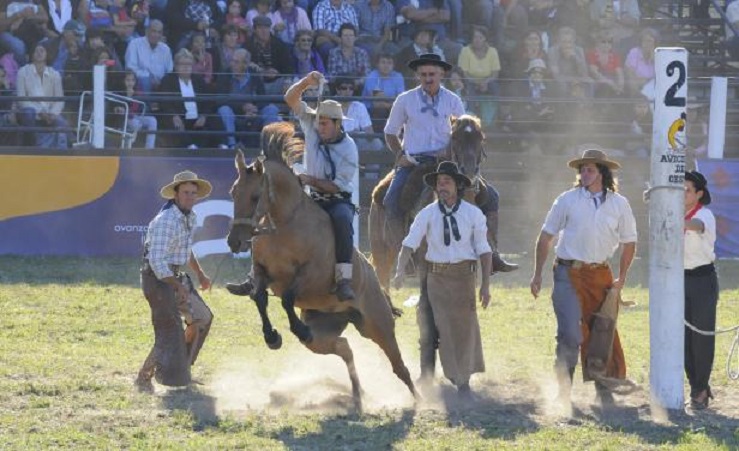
[(330, 109), (204, 186), (592, 155)]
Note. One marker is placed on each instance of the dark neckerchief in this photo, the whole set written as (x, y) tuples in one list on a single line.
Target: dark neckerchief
[(429, 106), (326, 152), (450, 216)]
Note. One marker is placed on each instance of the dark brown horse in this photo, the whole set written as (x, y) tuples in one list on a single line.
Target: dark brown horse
[(466, 149), (293, 255)]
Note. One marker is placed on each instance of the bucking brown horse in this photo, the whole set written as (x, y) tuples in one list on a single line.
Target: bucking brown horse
[(293, 255), (466, 149)]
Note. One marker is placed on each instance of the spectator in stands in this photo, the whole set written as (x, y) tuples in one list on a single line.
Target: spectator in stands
[(76, 74), (543, 15), (270, 54), (227, 48), (424, 42), (123, 25), (203, 65), (235, 17), (455, 83), (348, 59), (93, 42), (139, 11), (186, 115), (621, 18), (605, 67), (429, 14), (289, 20), (305, 58), (149, 58), (358, 118), (54, 18), (515, 24), (480, 12), (376, 21), (17, 21), (184, 17), (567, 61), (57, 48), (639, 65), (531, 47), (36, 79), (383, 81), (240, 111), (732, 40), (480, 64), (328, 17), (535, 114), (7, 116), (261, 9), (137, 121), (577, 14), (638, 127)]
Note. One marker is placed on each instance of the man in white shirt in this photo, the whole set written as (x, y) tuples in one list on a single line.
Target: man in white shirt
[(150, 58), (591, 220), (456, 233)]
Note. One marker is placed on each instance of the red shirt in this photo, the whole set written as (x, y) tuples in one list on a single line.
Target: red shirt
[(609, 68)]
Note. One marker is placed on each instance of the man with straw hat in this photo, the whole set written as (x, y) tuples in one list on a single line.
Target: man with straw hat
[(331, 165), (169, 290), (456, 233), (591, 220)]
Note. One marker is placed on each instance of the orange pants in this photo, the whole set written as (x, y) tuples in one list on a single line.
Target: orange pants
[(591, 284)]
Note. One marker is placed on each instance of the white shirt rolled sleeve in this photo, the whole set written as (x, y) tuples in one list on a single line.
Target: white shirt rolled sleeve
[(699, 247)]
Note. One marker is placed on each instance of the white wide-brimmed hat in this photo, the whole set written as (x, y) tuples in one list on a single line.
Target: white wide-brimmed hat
[(204, 186)]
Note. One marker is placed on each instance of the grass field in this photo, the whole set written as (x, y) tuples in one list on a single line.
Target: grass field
[(74, 332)]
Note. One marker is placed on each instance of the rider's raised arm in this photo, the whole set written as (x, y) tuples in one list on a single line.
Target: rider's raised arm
[(294, 94)]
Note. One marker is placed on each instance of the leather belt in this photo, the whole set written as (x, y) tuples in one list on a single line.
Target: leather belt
[(176, 269), (577, 264), (441, 267)]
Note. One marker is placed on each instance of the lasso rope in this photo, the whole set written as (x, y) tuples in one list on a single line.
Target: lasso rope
[(733, 350)]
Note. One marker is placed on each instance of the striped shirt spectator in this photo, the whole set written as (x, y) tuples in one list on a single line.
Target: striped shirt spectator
[(329, 15)]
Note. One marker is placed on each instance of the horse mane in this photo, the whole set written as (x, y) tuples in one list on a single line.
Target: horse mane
[(280, 143)]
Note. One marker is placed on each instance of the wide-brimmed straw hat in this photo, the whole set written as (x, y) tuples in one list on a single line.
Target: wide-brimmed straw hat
[(449, 168), (594, 156), (204, 186), (429, 59), (701, 184), (330, 109)]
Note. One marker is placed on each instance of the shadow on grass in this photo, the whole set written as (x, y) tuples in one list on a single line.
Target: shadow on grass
[(365, 432), (672, 427), (201, 406)]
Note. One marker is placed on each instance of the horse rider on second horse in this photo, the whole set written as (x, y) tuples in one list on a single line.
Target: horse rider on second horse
[(423, 114), (332, 162)]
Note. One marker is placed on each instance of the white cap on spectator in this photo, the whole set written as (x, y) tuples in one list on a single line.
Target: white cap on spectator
[(537, 63)]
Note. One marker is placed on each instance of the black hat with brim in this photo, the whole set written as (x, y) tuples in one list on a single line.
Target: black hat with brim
[(429, 59), (701, 184), (451, 169)]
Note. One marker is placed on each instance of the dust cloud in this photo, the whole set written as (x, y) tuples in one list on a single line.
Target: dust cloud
[(295, 379)]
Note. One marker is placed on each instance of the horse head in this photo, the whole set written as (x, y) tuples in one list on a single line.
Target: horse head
[(467, 145), (246, 192)]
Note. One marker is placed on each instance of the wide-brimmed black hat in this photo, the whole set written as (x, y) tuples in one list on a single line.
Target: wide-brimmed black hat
[(701, 184), (429, 59), (447, 168)]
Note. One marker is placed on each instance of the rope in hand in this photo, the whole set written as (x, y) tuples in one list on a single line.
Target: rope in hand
[(733, 350)]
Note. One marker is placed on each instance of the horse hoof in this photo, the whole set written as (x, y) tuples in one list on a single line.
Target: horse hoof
[(274, 341), (307, 338)]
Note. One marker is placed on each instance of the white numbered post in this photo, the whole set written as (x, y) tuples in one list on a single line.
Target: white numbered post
[(666, 213), (98, 106)]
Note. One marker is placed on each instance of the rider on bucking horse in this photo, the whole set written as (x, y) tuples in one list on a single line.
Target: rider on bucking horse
[(331, 161), (423, 114)]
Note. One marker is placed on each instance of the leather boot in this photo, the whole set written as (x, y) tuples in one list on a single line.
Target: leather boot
[(499, 265), (240, 289), (344, 289)]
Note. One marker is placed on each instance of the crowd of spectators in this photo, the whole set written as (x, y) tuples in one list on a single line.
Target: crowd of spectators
[(526, 67)]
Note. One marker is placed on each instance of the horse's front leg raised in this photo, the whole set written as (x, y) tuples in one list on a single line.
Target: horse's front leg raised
[(297, 327), (271, 336)]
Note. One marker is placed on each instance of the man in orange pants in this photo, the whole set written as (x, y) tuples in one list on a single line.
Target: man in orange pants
[(591, 220)]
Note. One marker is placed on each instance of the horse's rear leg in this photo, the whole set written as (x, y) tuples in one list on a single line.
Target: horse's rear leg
[(382, 331), (260, 297)]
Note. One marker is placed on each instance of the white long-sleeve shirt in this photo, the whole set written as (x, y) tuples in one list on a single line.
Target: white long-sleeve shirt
[(145, 61), (49, 84)]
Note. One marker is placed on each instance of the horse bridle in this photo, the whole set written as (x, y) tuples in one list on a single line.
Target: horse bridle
[(256, 218)]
